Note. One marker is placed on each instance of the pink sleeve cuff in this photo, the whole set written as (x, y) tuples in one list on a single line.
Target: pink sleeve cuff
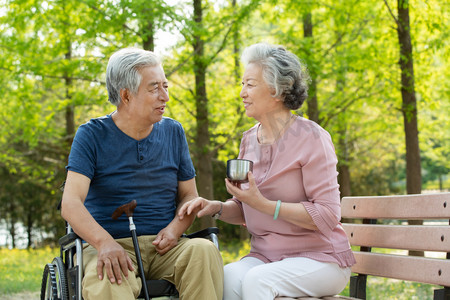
[(321, 224)]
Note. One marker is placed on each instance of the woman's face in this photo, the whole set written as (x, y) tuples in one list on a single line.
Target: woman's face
[(256, 94)]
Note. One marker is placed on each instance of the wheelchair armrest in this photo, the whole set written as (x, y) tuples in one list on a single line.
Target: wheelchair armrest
[(203, 233), (68, 239)]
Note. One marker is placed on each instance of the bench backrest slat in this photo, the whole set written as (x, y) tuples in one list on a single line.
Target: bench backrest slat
[(419, 269), (422, 238), (399, 236), (421, 206)]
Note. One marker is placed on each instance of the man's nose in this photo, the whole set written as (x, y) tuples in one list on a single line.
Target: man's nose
[(164, 94)]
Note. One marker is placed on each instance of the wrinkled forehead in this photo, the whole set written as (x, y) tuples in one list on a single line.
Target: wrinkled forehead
[(253, 71)]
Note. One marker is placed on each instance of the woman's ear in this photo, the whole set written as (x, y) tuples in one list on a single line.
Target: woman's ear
[(277, 99), (272, 93)]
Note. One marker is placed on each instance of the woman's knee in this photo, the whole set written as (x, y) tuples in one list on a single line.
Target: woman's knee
[(255, 279), (232, 276)]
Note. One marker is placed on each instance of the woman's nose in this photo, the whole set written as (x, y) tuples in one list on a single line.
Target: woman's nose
[(243, 93)]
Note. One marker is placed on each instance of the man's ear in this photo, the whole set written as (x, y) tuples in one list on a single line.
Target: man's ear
[(124, 96)]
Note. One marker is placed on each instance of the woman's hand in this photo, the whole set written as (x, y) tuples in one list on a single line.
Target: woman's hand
[(251, 196), (199, 206)]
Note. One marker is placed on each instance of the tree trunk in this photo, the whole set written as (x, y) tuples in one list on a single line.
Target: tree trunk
[(202, 139), (344, 180), (313, 107), (12, 230), (343, 161), (409, 107), (243, 232), (70, 114), (148, 41), (29, 227)]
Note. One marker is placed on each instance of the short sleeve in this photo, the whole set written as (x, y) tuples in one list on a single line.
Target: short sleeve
[(186, 170), (82, 155)]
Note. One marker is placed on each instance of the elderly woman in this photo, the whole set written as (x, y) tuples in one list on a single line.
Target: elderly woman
[(291, 204)]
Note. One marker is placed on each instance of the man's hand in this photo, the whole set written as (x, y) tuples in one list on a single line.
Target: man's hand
[(165, 240), (115, 260)]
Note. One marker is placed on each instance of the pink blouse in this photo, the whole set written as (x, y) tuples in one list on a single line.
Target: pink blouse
[(300, 167)]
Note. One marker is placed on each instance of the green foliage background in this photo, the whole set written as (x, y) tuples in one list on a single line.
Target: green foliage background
[(53, 56)]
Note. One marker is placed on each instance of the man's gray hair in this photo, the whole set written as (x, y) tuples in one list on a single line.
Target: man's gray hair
[(282, 71), (123, 68)]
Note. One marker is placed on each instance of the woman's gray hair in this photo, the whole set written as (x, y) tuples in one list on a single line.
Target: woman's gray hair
[(282, 71), (123, 68)]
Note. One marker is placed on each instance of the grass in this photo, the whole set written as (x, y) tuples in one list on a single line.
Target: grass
[(21, 271), (383, 289)]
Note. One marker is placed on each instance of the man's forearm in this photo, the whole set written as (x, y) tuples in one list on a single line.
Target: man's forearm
[(182, 225), (83, 223)]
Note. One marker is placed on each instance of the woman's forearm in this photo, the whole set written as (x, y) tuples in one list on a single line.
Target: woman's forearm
[(231, 213)]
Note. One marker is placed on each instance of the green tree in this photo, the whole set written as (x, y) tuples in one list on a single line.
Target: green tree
[(208, 37), (409, 101), (53, 56)]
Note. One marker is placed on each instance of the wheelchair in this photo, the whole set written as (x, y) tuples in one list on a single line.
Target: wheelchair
[(62, 277)]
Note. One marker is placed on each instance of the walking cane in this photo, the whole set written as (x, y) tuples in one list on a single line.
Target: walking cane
[(128, 210)]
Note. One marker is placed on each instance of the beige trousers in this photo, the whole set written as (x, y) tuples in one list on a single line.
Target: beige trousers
[(195, 267)]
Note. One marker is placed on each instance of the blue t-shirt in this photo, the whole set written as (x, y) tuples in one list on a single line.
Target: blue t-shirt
[(122, 169)]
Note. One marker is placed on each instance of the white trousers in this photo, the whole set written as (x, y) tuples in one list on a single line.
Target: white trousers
[(252, 279)]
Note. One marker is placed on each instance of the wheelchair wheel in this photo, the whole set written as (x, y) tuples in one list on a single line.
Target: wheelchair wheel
[(54, 281)]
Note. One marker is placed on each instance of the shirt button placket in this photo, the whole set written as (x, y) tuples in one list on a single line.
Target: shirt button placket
[(140, 154)]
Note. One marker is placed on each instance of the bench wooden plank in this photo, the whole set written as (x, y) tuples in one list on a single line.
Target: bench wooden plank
[(405, 237), (407, 207), (422, 238), (410, 268)]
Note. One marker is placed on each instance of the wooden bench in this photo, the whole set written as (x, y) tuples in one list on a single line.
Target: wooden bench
[(362, 218)]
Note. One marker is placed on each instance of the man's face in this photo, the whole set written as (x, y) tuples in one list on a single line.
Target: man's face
[(149, 103)]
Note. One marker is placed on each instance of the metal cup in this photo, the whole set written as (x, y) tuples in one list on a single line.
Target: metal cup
[(237, 170)]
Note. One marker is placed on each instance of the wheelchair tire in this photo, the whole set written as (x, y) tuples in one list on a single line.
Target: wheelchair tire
[(54, 281)]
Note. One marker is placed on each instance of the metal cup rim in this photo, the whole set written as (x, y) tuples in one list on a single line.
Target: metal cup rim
[(243, 159)]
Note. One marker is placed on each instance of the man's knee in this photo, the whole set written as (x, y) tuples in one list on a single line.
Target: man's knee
[(199, 270), (201, 249), (94, 288)]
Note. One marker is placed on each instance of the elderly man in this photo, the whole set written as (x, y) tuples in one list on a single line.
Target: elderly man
[(136, 153)]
